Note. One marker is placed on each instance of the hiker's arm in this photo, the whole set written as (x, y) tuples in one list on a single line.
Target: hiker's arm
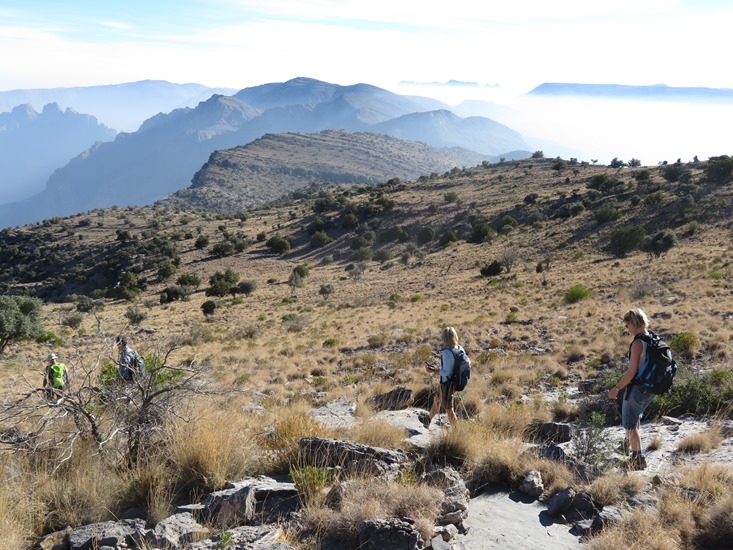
[(637, 350)]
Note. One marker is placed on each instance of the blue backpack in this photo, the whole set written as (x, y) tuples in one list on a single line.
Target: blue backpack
[(658, 371), (461, 369)]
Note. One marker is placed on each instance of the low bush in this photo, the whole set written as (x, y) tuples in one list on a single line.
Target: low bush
[(576, 294)]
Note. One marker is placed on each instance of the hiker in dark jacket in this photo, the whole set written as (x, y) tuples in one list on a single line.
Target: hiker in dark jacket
[(444, 398), (126, 363), (637, 397), (55, 377)]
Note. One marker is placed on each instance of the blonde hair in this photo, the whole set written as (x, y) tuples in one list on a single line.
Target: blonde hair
[(636, 317), (449, 337)]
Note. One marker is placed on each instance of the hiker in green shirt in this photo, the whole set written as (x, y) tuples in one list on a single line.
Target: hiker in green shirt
[(56, 377)]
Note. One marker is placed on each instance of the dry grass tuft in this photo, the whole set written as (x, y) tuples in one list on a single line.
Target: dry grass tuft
[(500, 463), (372, 498), (213, 448), (679, 512), (655, 443), (716, 525), (615, 487), (710, 480), (556, 476), (377, 434), (637, 530), (702, 442)]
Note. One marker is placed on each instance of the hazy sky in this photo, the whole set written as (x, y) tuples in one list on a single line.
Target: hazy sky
[(517, 44)]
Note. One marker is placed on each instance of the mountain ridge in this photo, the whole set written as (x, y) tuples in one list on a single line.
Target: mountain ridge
[(145, 166), (275, 165)]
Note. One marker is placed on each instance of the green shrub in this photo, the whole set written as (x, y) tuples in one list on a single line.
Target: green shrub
[(202, 241), (189, 279), (491, 270), (685, 344), (607, 213), (719, 169), (425, 235), (330, 342), (660, 243), (72, 320), (320, 239), (278, 244), (576, 294), (481, 232), (448, 238), (209, 307), (625, 239), (135, 315), (383, 255)]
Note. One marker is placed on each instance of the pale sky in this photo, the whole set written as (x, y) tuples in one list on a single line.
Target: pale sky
[(517, 44)]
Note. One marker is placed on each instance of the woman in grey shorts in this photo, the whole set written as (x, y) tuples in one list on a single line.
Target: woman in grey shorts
[(637, 397)]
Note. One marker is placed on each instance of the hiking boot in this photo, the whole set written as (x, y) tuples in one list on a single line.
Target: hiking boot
[(425, 419), (636, 462)]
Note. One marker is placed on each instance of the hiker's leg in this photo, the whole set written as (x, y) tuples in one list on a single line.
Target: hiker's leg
[(448, 404), (435, 408), (634, 438), (451, 414)]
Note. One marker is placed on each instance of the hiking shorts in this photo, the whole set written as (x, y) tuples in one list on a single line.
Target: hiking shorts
[(634, 403), (446, 395)]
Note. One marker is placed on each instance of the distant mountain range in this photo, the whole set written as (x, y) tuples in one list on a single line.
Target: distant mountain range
[(270, 167), (120, 106), (618, 91), (162, 156), (33, 145)]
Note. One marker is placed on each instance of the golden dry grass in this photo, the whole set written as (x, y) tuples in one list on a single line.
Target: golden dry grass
[(614, 488), (637, 530), (387, 322), (702, 442), (372, 498)]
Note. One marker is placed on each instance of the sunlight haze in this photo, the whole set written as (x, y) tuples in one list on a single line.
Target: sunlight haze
[(506, 49)]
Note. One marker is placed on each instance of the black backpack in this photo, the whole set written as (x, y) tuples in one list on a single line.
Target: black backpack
[(461, 369), (657, 373)]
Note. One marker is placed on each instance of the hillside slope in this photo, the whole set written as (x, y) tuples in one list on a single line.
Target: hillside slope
[(273, 166)]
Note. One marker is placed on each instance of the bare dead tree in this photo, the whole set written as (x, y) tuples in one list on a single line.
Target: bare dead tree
[(122, 419)]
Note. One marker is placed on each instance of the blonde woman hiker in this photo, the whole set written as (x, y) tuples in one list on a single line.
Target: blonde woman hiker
[(444, 398), (637, 397)]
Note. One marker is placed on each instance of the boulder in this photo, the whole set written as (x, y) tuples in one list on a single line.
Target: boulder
[(391, 533), (561, 502), (54, 541), (353, 458), (554, 432), (454, 508), (583, 507), (394, 400), (532, 484), (336, 414), (175, 531), (610, 515), (107, 533), (257, 500), (414, 421), (261, 537)]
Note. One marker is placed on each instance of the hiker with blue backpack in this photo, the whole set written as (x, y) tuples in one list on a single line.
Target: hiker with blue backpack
[(55, 377), (129, 364), (650, 373), (455, 370)]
